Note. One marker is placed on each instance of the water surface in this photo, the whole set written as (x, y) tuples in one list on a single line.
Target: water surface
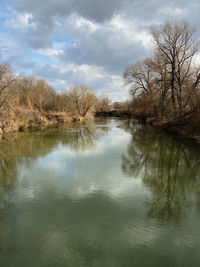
[(105, 193)]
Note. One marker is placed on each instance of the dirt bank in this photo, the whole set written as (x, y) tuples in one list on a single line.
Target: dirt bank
[(21, 119)]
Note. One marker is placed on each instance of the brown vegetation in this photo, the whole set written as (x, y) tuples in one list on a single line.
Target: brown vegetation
[(28, 101), (166, 87)]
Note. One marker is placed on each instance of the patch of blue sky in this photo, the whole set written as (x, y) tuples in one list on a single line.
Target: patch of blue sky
[(59, 36), (3, 4), (62, 39), (59, 21), (62, 42), (6, 46), (5, 30), (24, 72)]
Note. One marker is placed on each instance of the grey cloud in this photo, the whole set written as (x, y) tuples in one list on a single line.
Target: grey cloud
[(34, 39), (21, 63), (46, 12), (91, 9), (96, 10), (71, 76), (102, 50), (102, 85), (105, 47), (48, 71)]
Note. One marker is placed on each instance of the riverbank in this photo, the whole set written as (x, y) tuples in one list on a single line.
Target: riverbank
[(186, 127), (28, 102), (21, 119)]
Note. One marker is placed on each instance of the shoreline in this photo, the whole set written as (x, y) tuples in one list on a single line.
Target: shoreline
[(33, 119), (27, 119), (185, 128)]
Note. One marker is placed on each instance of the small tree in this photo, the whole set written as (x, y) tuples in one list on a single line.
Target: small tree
[(103, 104), (81, 100)]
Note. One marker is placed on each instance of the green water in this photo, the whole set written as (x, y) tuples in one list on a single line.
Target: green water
[(104, 193)]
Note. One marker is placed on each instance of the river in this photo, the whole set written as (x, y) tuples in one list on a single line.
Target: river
[(106, 193)]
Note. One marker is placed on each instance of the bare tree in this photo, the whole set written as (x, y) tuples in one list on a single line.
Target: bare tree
[(103, 103), (139, 75), (81, 100), (25, 86), (177, 44), (7, 78), (168, 83)]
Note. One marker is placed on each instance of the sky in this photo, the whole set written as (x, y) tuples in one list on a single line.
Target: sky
[(85, 42)]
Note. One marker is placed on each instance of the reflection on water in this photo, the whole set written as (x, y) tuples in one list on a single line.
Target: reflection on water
[(170, 169), (104, 193), (19, 147)]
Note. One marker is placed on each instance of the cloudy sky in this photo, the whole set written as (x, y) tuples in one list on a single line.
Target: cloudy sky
[(88, 42)]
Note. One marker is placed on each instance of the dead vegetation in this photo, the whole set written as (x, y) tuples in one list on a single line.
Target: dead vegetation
[(28, 101), (165, 88)]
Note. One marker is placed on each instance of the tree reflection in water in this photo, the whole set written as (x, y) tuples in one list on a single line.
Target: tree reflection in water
[(168, 167), (16, 148)]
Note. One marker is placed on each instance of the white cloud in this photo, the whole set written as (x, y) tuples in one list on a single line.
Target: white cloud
[(64, 76), (172, 11), (50, 52), (21, 21), (81, 23), (76, 42), (130, 31)]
